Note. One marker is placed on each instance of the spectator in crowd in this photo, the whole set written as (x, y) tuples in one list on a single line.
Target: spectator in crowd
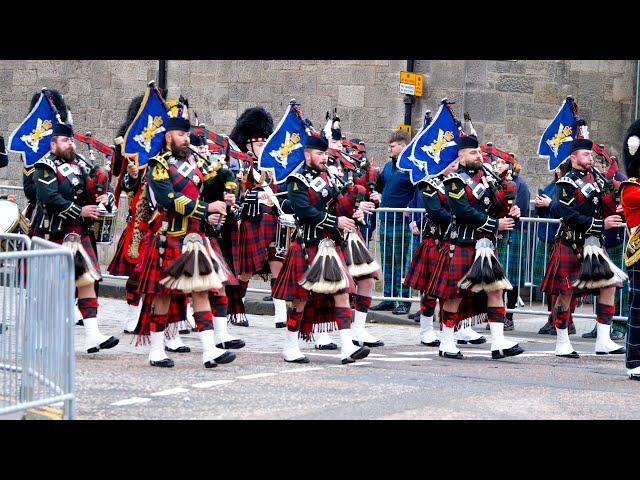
[(396, 190)]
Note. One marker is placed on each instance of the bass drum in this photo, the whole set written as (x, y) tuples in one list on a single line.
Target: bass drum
[(9, 217)]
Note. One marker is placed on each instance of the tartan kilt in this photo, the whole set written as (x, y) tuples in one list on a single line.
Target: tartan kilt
[(88, 243), (286, 286), (622, 297), (319, 316), (152, 273), (511, 261), (424, 261), (449, 271), (541, 259), (562, 270), (255, 239), (119, 265)]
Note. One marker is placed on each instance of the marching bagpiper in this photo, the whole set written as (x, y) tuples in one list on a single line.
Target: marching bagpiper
[(181, 259), (435, 242), (471, 265), (354, 195), (259, 220), (67, 206), (578, 265), (312, 195)]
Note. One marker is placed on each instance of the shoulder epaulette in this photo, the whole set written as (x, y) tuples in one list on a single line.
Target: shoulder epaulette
[(567, 179), (46, 161), (298, 176), (452, 176), (436, 183), (162, 159)]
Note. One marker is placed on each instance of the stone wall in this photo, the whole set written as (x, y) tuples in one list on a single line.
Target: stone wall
[(510, 102)]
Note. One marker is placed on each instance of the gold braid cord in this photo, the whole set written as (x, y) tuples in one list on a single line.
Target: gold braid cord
[(143, 213)]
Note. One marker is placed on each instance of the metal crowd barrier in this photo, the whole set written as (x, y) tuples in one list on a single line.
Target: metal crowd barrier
[(392, 239), (37, 358)]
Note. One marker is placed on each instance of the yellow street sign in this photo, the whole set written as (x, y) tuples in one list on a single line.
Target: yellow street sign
[(411, 83), (405, 128)]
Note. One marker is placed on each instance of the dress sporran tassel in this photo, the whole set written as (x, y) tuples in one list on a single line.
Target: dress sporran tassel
[(85, 272), (597, 270), (486, 272), (359, 260), (326, 273), (194, 271)]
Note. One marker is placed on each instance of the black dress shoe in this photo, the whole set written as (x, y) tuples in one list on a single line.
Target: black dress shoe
[(226, 357), (327, 346), (231, 344), (509, 352), (268, 298), (109, 343), (359, 354), (614, 352), (592, 334), (401, 310), (182, 332), (508, 325), (385, 305), (572, 329), (167, 363), (547, 328), (454, 356), (477, 341), (414, 316), (634, 376), (379, 343), (280, 324), (129, 332), (573, 354), (182, 349), (210, 364), (298, 360), (242, 323), (435, 343), (80, 323)]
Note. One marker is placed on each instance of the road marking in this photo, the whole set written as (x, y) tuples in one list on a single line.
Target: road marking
[(304, 369), (130, 401), (330, 355), (349, 364), (256, 375), (212, 384), (171, 391), (406, 359), (45, 413), (432, 352), (376, 355)]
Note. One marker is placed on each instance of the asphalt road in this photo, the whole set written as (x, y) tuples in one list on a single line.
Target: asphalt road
[(402, 380)]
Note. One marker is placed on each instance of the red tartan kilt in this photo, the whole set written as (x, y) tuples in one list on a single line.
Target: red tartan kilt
[(423, 263), (151, 273), (319, 316), (255, 239), (229, 243), (119, 265), (87, 244), (449, 271), (562, 270), (294, 267), (177, 312)]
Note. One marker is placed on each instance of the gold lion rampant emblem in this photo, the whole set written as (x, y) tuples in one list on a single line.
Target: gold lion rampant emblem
[(290, 144), (154, 127), (563, 135), (43, 129)]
